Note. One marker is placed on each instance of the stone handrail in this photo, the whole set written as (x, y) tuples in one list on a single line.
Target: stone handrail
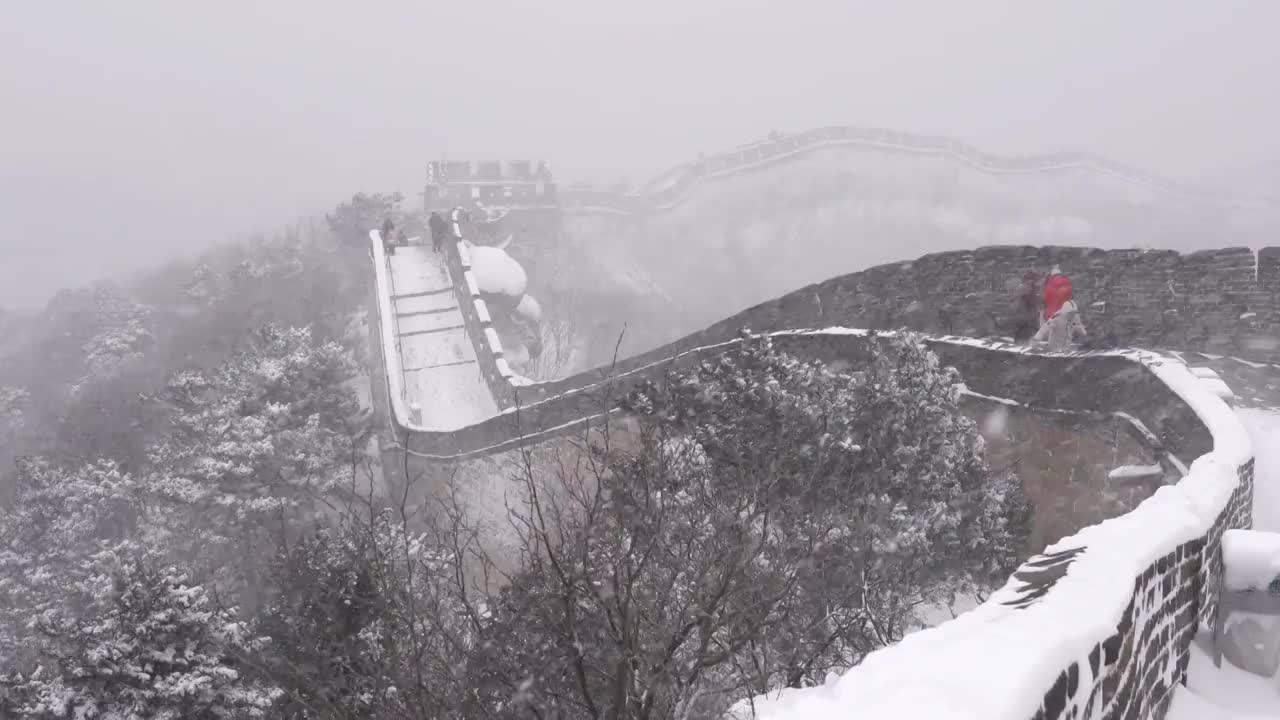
[(475, 315), (385, 335), (764, 153)]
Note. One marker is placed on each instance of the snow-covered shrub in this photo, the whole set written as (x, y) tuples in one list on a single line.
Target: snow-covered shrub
[(367, 621), (772, 521), (351, 221)]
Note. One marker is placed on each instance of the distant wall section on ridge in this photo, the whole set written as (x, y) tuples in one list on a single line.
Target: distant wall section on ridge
[(674, 186)]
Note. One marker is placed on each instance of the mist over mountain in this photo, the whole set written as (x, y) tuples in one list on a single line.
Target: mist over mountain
[(502, 360)]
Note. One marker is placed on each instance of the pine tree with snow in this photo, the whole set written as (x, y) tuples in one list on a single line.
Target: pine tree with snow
[(267, 438), (60, 519), (133, 640)]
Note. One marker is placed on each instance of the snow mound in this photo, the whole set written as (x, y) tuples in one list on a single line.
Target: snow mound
[(1251, 558), (1223, 693), (1264, 429), (529, 308), (496, 272)]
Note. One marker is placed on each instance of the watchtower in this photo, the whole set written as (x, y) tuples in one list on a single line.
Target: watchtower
[(516, 184)]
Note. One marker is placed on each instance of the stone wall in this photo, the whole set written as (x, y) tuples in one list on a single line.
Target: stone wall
[(1133, 672), (1225, 301), (1127, 672), (477, 319), (784, 147), (1214, 300)]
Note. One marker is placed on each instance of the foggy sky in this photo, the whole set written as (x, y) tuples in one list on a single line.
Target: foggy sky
[(140, 129)]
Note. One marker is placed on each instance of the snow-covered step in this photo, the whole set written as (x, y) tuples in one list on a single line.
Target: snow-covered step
[(425, 304), (443, 387), (446, 346), (416, 272), (428, 322)]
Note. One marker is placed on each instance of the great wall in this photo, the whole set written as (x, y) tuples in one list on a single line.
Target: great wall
[(675, 186), (1112, 609)]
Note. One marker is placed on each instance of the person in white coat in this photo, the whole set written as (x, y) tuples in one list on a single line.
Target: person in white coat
[(1065, 325)]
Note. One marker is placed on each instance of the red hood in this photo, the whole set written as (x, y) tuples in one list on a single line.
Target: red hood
[(1057, 290)]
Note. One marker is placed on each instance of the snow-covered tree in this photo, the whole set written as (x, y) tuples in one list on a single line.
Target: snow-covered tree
[(365, 622), (260, 441), (11, 401), (117, 343), (59, 521), (86, 333), (203, 286), (132, 639), (885, 486), (352, 220), (775, 519)]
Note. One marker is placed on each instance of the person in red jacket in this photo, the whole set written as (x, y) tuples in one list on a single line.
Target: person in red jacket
[(1057, 291)]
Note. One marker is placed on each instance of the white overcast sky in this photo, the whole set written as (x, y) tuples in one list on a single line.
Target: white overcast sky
[(137, 128)]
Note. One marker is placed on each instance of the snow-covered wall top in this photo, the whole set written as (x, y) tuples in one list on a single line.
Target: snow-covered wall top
[(674, 186), (475, 314), (386, 336)]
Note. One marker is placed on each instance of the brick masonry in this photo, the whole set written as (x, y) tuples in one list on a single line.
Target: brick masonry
[(1132, 673), (1225, 301)]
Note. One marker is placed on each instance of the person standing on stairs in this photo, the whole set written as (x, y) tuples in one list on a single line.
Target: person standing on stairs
[(389, 236), (439, 229), (1026, 309)]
